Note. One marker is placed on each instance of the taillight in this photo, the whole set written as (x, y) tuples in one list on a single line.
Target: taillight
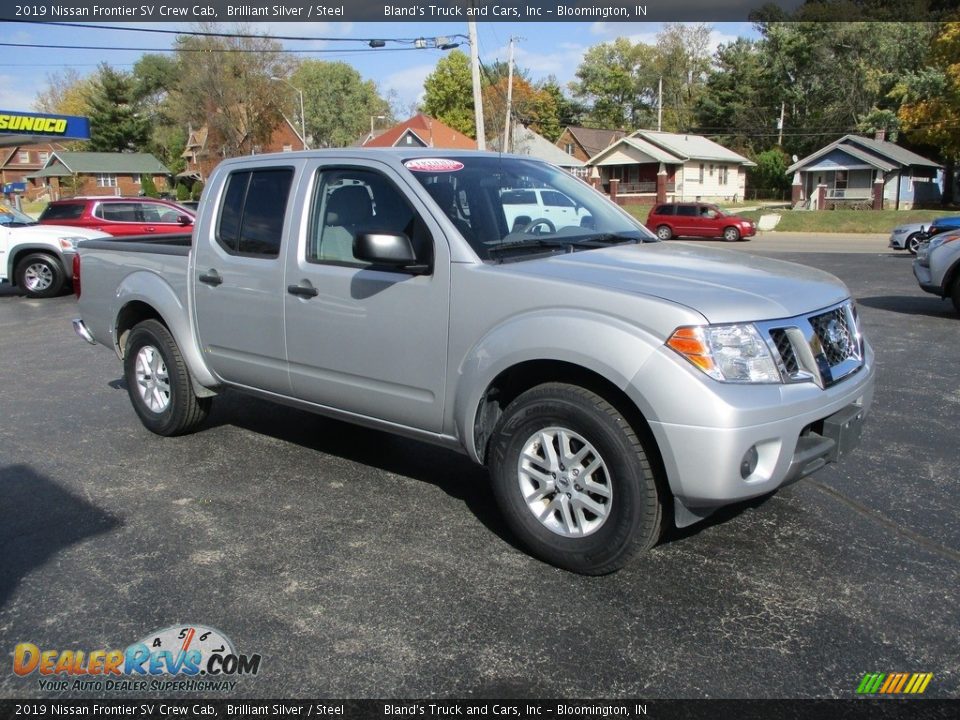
[(76, 275)]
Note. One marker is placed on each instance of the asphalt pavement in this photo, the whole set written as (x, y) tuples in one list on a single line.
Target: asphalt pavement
[(358, 564)]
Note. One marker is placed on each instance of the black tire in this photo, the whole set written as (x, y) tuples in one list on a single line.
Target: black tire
[(731, 234), (40, 275), (183, 411), (664, 232), (913, 242), (955, 294), (541, 223), (634, 509)]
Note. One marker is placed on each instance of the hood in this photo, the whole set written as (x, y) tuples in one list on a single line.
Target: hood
[(45, 232), (724, 286)]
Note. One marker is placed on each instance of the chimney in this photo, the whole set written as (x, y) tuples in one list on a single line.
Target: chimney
[(880, 135)]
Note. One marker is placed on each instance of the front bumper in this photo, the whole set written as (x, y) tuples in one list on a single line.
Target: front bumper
[(802, 429), (897, 242), (925, 279)]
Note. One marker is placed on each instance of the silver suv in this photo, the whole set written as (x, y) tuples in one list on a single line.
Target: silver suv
[(937, 267)]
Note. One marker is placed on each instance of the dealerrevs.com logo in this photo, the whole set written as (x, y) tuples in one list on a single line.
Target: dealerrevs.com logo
[(179, 658)]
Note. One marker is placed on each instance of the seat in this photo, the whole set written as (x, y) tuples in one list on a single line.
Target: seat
[(349, 211), (444, 195)]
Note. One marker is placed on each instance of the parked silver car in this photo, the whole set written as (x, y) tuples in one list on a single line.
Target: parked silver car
[(937, 267), (909, 236)]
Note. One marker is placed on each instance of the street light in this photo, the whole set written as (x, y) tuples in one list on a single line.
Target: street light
[(303, 118)]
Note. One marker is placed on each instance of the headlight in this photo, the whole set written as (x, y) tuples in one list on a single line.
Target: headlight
[(728, 353), (69, 243)]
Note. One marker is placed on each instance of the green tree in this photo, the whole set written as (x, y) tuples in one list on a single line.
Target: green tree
[(682, 61), (770, 174), (154, 81), (448, 93), (337, 101), (116, 123), (225, 84), (617, 82)]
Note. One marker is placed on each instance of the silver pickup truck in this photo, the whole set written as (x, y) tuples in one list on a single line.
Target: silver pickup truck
[(608, 381)]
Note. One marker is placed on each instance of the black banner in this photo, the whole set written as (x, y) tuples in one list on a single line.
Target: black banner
[(512, 11), (563, 709)]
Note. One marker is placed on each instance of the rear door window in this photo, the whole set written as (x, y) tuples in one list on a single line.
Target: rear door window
[(663, 210), (254, 207), (687, 210), (64, 211)]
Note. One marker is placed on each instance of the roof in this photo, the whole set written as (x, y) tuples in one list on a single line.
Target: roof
[(106, 162), (673, 148), (528, 142), (430, 131), (880, 154), (593, 140)]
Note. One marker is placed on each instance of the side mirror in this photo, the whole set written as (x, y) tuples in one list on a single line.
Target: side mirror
[(390, 249), (184, 220)]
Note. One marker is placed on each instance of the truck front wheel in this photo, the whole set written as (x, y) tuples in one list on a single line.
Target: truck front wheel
[(40, 275), (574, 480), (158, 382)]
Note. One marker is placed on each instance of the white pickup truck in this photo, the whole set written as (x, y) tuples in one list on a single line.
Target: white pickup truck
[(38, 258), (608, 380)]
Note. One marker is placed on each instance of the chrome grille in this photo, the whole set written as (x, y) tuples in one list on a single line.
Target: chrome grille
[(787, 356), (823, 347)]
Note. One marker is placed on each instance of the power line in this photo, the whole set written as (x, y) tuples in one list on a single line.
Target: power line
[(205, 50)]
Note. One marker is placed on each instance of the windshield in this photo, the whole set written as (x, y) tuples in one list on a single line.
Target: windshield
[(510, 207), (12, 217)]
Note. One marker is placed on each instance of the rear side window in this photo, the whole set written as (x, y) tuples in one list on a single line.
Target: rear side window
[(663, 210), (119, 212), (254, 206), (518, 197), (687, 210), (62, 211), (555, 199)]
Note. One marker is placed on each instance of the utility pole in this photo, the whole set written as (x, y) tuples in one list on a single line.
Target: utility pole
[(660, 104), (506, 123), (783, 108), (477, 97)]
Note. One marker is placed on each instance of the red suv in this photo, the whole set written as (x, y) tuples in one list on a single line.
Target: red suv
[(698, 220), (119, 215)]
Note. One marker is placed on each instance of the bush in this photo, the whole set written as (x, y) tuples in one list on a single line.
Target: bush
[(183, 192), (197, 189), (147, 187)]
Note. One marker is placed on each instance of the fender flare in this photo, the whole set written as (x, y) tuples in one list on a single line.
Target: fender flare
[(153, 291), (599, 343)]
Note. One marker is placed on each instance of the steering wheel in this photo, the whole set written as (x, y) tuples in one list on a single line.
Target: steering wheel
[(540, 226)]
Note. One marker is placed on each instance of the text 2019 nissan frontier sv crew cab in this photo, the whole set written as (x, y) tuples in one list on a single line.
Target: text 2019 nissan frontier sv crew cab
[(603, 377)]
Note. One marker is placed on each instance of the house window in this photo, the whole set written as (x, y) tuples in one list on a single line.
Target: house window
[(288, 148), (568, 149), (840, 182), (711, 169), (724, 174), (44, 156), (23, 157), (136, 179), (106, 180), (701, 172)]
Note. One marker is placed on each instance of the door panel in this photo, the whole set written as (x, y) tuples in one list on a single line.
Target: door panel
[(370, 341), (239, 295)]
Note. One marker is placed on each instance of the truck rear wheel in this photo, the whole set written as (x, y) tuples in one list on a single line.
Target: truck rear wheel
[(40, 275), (158, 382), (573, 480)]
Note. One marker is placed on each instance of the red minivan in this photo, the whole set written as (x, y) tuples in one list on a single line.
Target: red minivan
[(119, 215), (698, 220)]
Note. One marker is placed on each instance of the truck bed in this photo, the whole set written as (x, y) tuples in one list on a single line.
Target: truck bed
[(171, 244)]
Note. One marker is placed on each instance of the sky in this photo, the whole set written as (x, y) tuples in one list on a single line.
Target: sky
[(543, 48)]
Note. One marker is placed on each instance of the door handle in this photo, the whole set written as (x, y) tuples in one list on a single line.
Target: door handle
[(211, 278), (304, 291)]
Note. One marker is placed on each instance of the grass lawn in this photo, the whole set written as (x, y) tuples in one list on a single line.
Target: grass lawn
[(826, 221)]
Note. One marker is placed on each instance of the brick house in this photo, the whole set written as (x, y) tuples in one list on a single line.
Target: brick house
[(18, 161), (420, 131), (67, 174), (583, 143), (650, 166), (203, 153)]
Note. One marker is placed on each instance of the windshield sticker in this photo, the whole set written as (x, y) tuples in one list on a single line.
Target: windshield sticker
[(433, 165)]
